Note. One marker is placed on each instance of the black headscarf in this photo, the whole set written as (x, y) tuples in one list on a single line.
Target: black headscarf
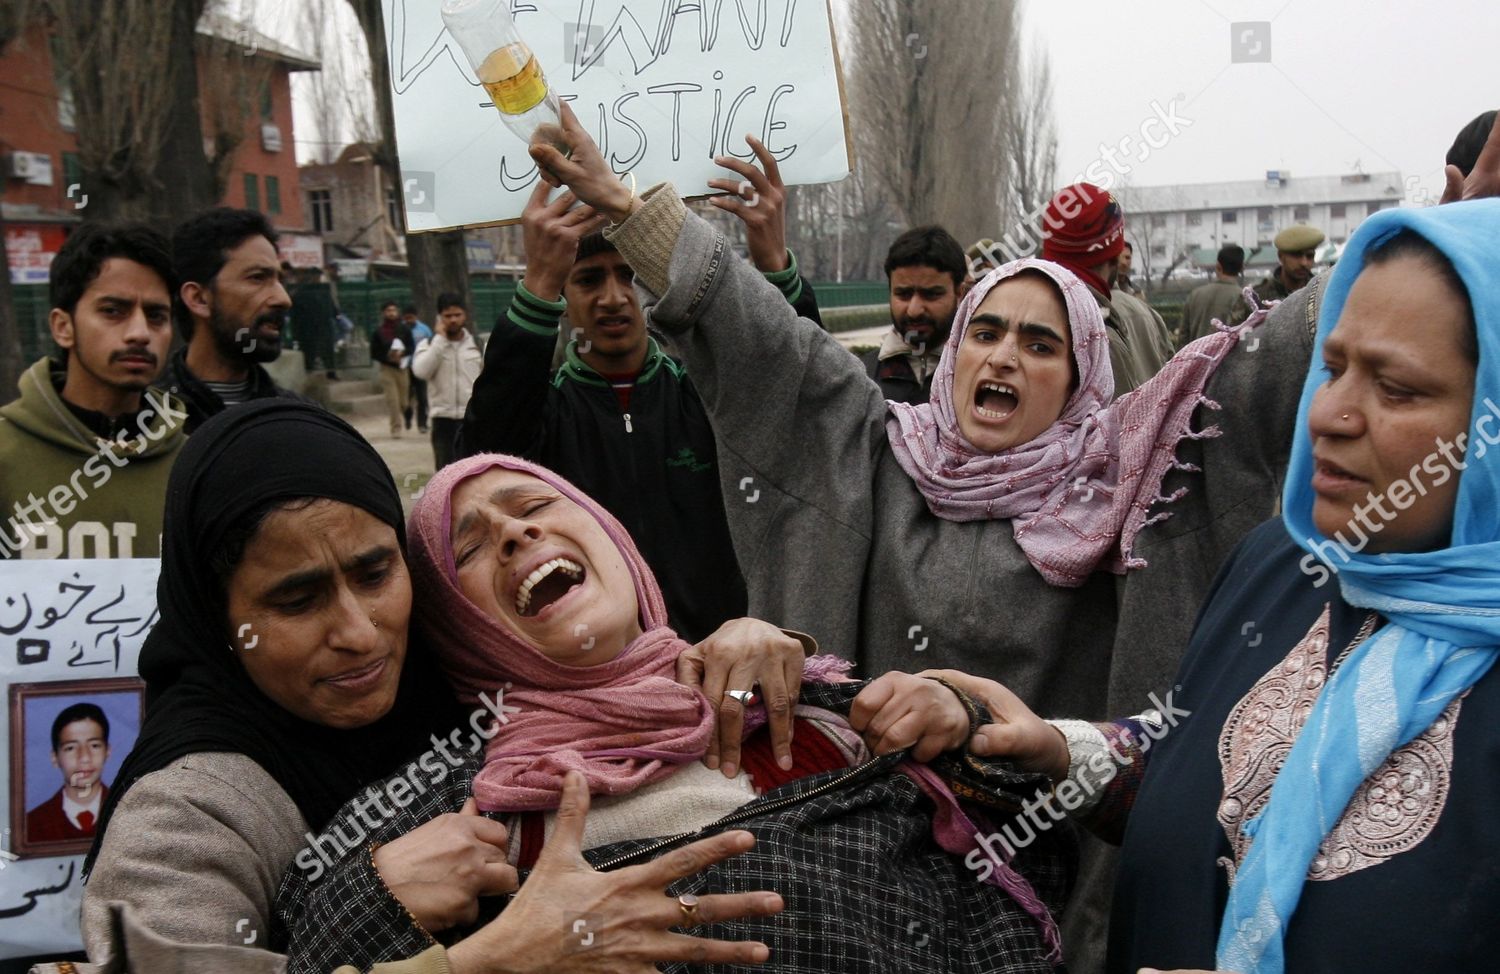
[(198, 695)]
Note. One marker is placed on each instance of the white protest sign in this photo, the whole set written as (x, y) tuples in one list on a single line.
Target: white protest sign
[(70, 639), (662, 86)]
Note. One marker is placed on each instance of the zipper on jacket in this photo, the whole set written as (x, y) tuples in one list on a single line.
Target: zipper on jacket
[(748, 812), (628, 427)]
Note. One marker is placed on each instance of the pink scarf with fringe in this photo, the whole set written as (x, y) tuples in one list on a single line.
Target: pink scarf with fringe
[(623, 724), (1079, 493)]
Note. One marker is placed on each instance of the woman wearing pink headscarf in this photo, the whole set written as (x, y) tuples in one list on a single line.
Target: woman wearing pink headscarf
[(983, 531), (543, 615)]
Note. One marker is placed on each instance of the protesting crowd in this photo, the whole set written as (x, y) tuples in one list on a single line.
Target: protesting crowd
[(1037, 637)]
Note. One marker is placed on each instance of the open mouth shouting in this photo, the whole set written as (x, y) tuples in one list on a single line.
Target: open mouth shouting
[(995, 401), (548, 584)]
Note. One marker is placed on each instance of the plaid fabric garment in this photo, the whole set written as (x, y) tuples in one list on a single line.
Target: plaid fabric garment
[(866, 886), (326, 917)]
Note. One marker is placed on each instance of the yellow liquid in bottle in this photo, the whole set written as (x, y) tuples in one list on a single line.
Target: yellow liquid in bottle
[(513, 79)]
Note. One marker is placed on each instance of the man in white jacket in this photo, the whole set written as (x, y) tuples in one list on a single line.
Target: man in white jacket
[(448, 362)]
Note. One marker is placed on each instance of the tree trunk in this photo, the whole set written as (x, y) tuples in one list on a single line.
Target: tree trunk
[(139, 121), (186, 182), (437, 261)]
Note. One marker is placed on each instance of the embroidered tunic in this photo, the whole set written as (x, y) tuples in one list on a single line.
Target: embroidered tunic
[(1409, 878)]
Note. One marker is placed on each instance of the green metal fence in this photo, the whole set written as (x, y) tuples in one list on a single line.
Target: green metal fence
[(31, 320), (361, 301)]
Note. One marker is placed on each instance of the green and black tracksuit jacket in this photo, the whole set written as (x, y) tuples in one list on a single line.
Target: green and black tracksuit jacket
[(655, 467)]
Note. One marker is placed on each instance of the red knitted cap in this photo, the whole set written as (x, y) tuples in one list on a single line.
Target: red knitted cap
[(1083, 225)]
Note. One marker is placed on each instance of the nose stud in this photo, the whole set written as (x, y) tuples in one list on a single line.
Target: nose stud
[(1345, 416)]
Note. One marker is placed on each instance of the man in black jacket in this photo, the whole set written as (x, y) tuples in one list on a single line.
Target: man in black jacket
[(620, 418), (391, 347), (231, 308)]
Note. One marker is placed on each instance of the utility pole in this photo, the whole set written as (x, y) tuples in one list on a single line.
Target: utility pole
[(839, 258)]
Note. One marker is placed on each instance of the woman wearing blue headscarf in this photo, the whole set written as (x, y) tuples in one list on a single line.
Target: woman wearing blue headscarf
[(1320, 787)]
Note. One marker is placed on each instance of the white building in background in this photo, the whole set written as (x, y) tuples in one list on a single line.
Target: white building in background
[(1187, 224)]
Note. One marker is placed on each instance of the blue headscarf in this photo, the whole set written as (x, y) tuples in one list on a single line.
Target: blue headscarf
[(1443, 607)]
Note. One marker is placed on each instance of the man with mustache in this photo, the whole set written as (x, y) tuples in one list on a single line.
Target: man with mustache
[(927, 271), (86, 448), (1297, 253), (232, 309)]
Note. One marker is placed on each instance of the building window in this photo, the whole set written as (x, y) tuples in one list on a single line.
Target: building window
[(252, 192), (1159, 250), (1158, 221), (393, 209), (1302, 214), (1195, 219), (72, 171), (1379, 205), (273, 194), (267, 103), (1265, 214), (1335, 211), (62, 80), (1229, 216), (320, 201)]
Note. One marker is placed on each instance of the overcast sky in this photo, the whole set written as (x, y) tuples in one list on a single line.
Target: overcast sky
[(1383, 83), (1375, 82)]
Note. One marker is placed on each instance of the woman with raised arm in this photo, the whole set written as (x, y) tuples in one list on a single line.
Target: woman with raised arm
[(983, 530)]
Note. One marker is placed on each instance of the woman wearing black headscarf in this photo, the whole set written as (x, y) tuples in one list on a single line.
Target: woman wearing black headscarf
[(279, 683)]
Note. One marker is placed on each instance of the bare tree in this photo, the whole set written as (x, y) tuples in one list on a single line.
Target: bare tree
[(132, 69), (929, 88), (1030, 139), (233, 81), (438, 261), (325, 92), (841, 231), (1160, 245)]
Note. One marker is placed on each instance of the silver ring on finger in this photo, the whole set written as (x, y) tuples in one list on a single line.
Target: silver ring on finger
[(688, 904), (742, 697)]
